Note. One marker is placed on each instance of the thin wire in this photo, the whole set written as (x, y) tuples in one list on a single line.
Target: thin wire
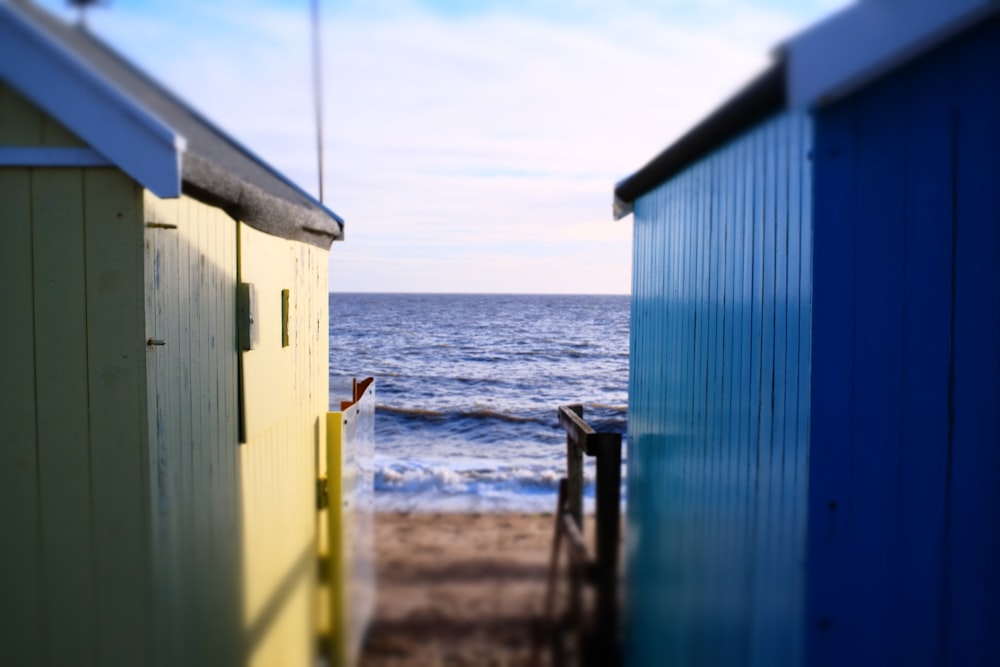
[(318, 92)]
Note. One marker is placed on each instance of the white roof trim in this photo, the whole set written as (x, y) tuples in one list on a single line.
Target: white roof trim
[(132, 138), (865, 40), (621, 209)]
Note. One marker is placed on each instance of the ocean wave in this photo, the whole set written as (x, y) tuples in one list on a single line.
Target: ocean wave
[(474, 413), (416, 478), (604, 406)]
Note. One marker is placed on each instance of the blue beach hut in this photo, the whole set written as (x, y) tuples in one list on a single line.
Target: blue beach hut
[(814, 398)]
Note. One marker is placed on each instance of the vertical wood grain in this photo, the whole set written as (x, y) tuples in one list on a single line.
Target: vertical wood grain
[(61, 376), (903, 522), (713, 390), (926, 342), (20, 122), (116, 397), (238, 519), (198, 518), (286, 399), (20, 559), (831, 503), (160, 538), (23, 124), (974, 460), (21, 571)]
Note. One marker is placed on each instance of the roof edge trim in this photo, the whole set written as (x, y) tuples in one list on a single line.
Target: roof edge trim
[(881, 34), (761, 98), (52, 78), (621, 209)]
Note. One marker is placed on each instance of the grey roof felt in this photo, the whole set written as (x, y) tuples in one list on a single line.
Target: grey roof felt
[(216, 168)]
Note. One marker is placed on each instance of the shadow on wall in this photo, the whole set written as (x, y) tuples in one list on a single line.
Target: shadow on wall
[(137, 529), (196, 485), (234, 524)]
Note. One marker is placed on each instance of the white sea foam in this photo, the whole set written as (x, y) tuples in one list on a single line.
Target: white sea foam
[(438, 486), (467, 390)]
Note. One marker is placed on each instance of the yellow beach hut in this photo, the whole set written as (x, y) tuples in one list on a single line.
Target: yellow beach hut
[(163, 375)]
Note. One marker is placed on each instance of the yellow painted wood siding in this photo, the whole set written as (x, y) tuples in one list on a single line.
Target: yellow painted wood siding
[(73, 485), (234, 524), (286, 399), (190, 273), (137, 529)]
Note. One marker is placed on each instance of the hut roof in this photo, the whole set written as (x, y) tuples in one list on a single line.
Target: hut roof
[(141, 127), (822, 64), (758, 100)]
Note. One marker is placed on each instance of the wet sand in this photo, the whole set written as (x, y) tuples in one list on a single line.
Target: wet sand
[(458, 589)]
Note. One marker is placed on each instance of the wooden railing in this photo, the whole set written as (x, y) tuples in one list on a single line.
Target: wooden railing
[(596, 632)]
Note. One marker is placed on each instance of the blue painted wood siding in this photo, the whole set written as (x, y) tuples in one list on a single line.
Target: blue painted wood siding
[(718, 406), (905, 470)]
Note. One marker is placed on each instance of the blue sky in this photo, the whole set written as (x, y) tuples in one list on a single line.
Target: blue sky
[(471, 146)]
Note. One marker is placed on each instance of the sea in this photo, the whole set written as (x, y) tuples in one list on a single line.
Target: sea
[(468, 387)]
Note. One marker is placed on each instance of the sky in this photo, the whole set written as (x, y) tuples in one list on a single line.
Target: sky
[(471, 146)]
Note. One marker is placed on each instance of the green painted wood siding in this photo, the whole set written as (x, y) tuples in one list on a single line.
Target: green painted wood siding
[(719, 406), (73, 484), (21, 124)]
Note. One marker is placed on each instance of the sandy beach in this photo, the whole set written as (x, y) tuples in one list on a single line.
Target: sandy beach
[(458, 589)]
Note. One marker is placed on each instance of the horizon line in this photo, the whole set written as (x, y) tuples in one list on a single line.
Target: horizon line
[(405, 293)]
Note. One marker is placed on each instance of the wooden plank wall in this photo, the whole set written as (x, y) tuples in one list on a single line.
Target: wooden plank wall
[(73, 485), (286, 396), (190, 276), (718, 406), (905, 500)]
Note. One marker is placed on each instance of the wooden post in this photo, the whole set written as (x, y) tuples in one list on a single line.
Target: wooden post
[(602, 649), (554, 558), (574, 466), (608, 448)]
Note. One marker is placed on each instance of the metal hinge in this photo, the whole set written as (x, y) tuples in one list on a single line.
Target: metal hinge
[(323, 569), (322, 494)]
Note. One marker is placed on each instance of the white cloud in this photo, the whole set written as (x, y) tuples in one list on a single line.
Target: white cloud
[(473, 153)]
